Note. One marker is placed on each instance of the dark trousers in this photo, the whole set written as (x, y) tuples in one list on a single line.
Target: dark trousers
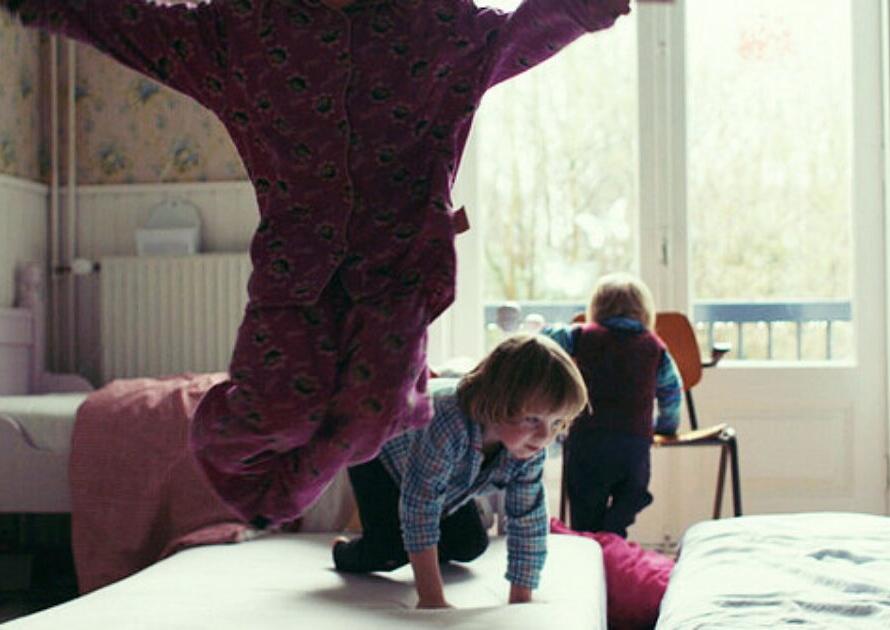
[(380, 548), (607, 479)]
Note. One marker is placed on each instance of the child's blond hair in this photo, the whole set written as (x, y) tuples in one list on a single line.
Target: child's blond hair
[(622, 295), (524, 373)]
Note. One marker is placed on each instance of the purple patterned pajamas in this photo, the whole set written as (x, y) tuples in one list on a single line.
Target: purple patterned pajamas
[(350, 124)]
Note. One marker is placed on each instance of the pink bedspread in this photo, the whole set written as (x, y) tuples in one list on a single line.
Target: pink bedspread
[(636, 578), (136, 493)]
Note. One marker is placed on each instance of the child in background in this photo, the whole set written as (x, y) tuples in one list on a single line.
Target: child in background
[(350, 118), (625, 367), (489, 432)]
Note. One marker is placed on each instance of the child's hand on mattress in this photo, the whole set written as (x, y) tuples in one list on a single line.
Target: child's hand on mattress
[(437, 603), (520, 594), (617, 7), (428, 578)]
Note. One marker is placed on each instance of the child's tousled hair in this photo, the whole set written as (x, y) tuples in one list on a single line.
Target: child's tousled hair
[(622, 295), (523, 373)]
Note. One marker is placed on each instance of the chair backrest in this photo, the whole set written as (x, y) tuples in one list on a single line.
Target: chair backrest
[(676, 331)]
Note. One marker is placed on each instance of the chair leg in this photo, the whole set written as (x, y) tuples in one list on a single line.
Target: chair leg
[(721, 479), (736, 482)]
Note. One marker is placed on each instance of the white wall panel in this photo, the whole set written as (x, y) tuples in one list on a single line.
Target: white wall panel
[(108, 217)]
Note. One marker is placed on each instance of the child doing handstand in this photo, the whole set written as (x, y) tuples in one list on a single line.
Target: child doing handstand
[(626, 367), (489, 432), (350, 118)]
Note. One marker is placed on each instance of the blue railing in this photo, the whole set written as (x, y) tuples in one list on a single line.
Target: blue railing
[(768, 314), (726, 320)]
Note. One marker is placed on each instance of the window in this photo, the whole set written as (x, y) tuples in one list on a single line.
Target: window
[(768, 167), (556, 163), (769, 94)]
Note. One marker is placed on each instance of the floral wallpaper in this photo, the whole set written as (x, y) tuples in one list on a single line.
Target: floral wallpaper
[(22, 150), (131, 129)]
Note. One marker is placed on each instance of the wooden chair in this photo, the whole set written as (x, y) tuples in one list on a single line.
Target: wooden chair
[(676, 331)]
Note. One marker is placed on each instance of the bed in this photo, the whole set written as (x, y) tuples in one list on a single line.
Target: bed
[(37, 409), (287, 581), (149, 536), (816, 570), (35, 444), (154, 547)]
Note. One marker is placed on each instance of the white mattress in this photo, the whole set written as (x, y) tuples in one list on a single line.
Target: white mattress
[(816, 570), (288, 581), (45, 422)]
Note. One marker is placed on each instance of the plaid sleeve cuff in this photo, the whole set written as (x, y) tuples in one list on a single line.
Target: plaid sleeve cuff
[(420, 538), (525, 566)]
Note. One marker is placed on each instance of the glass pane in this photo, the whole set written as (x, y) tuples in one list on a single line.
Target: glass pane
[(769, 97), (557, 178), (557, 172)]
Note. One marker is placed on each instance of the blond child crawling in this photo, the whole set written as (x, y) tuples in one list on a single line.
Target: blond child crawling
[(489, 432)]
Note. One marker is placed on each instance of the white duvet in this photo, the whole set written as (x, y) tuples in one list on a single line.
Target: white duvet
[(287, 581), (813, 570)]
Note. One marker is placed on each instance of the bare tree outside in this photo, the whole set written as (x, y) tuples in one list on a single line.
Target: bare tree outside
[(558, 167), (769, 174), (769, 167)]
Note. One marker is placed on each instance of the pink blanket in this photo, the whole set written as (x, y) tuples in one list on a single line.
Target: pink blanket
[(136, 493), (636, 578)]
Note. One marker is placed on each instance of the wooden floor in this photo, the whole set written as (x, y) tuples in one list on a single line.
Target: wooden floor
[(52, 582), (36, 564)]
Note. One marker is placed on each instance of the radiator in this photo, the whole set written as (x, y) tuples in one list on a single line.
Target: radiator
[(167, 315)]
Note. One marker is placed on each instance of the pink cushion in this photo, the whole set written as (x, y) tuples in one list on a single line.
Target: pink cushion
[(635, 578)]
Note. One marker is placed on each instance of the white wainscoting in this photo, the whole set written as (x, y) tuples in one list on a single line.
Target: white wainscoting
[(170, 314), (108, 217), (23, 230)]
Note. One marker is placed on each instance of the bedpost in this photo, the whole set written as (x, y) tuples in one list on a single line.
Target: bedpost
[(31, 296), (30, 287)]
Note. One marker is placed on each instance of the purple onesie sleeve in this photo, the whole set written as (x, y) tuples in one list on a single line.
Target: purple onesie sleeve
[(537, 30), (186, 47)]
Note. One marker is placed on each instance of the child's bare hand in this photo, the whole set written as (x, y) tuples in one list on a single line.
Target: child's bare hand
[(520, 594), (617, 7), (427, 604)]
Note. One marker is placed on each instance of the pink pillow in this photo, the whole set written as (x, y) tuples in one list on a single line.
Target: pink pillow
[(635, 578)]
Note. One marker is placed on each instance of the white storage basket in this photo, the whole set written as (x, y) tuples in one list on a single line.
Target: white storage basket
[(173, 229)]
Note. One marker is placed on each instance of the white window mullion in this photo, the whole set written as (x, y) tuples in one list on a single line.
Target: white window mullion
[(459, 331), (662, 150), (468, 317), (885, 175)]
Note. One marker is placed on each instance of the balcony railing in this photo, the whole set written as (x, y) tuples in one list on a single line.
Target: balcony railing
[(754, 329)]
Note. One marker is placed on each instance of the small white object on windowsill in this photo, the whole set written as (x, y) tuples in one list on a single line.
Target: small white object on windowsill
[(173, 229)]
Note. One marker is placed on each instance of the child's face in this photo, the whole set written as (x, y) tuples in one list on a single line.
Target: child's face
[(528, 434)]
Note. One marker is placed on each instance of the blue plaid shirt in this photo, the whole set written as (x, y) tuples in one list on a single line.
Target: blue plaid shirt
[(668, 384), (439, 469)]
